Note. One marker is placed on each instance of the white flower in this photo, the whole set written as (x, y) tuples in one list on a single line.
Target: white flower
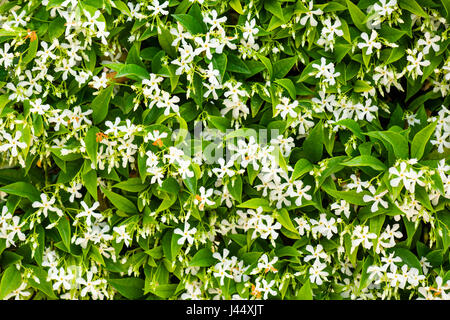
[(330, 30), (168, 103), (391, 233), (91, 20), (414, 277), (264, 264), (285, 108), (385, 9), (302, 225), (212, 20), (186, 234), (412, 120), (310, 15), (265, 287), (38, 107), (389, 262), (369, 43), (46, 205), (441, 141), (339, 207), (326, 70), (90, 285), (224, 169), (89, 213), (202, 199), (317, 253), (376, 198), (62, 279), (183, 169), (122, 235), (366, 111), (317, 275), (300, 192), (429, 42), (401, 174), (6, 59), (158, 8), (14, 229), (206, 45), (361, 235), (250, 30), (415, 63), (99, 82), (13, 143)]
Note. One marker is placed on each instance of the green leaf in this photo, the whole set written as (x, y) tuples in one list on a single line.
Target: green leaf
[(446, 4), (361, 86), (365, 161), (396, 54), (287, 251), (353, 126), (282, 67), (43, 285), (285, 220), (63, 227), (56, 28), (165, 291), (255, 203), (376, 223), (165, 40), (131, 288), (189, 22), (133, 56), (100, 104), (31, 53), (134, 72), (305, 293), (203, 258), (235, 188), (236, 5), (350, 196), (280, 159), (435, 257), (313, 144), (274, 7), (398, 142), (358, 17), (301, 167), (220, 63), (90, 182), (334, 6), (120, 202), (267, 64), (131, 185), (4, 99), (346, 31), (220, 123), (92, 144), (122, 7), (22, 189), (170, 246), (365, 276), (413, 7), (288, 85), (420, 140), (170, 185), (11, 280), (236, 64)]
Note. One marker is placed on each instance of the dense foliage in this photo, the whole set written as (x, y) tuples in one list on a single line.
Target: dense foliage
[(195, 149)]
